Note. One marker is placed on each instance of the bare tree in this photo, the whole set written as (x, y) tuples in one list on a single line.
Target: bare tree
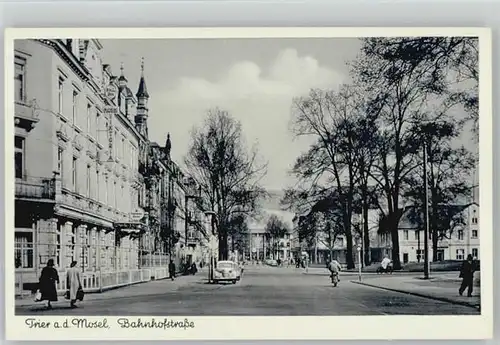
[(338, 122), (276, 229), (449, 174), (408, 76), (226, 171)]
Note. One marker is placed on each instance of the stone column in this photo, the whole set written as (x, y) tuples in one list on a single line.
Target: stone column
[(47, 240), (93, 249), (82, 252), (98, 262), (67, 243), (62, 252)]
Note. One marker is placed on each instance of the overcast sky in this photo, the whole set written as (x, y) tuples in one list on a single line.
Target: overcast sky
[(254, 79)]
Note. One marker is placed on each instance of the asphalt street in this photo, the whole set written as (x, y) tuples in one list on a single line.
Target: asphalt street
[(262, 291)]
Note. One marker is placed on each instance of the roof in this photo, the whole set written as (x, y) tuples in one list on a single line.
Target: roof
[(143, 90)]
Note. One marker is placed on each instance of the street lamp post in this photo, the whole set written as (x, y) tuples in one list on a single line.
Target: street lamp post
[(426, 216)]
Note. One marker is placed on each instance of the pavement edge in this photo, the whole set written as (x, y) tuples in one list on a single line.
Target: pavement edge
[(442, 299)]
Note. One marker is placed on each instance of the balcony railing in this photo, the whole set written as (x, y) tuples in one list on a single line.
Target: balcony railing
[(26, 114), (35, 188)]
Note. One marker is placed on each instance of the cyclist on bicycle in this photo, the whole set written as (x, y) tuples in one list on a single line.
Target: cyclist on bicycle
[(334, 268)]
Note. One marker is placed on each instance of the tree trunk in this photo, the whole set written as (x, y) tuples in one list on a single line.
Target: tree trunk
[(366, 232), (223, 246), (393, 223), (434, 225), (349, 254)]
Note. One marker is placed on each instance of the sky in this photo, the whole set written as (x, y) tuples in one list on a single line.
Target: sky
[(254, 79)]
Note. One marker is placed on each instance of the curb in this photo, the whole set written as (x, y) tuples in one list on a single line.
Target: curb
[(442, 299)]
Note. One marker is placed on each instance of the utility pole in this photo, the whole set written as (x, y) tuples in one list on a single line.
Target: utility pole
[(426, 215)]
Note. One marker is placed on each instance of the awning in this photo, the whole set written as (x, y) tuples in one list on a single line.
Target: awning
[(130, 227)]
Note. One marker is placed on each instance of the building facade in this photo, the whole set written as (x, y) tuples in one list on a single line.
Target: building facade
[(89, 187), (463, 240)]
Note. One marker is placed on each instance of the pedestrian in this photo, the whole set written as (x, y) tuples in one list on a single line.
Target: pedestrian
[(467, 275), (74, 284), (47, 283), (171, 269)]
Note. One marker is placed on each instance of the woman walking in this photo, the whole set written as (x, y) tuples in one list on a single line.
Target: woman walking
[(47, 283), (74, 283)]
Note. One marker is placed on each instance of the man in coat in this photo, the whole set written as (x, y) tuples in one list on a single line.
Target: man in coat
[(171, 269), (467, 275), (74, 283)]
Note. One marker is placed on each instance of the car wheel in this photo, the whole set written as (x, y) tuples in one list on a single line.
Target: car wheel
[(234, 281)]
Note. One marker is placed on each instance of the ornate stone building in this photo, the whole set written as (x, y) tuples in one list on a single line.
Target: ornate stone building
[(79, 194)]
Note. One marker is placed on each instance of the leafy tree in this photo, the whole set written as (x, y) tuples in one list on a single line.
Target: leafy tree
[(227, 173)]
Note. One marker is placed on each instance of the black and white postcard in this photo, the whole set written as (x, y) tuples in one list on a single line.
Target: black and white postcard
[(248, 183)]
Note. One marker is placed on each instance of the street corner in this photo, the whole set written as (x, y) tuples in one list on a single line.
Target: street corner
[(448, 293)]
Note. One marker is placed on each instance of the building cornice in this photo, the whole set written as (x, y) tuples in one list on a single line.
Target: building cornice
[(67, 57)]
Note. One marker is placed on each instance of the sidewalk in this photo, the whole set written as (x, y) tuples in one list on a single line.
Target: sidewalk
[(154, 287), (442, 287)]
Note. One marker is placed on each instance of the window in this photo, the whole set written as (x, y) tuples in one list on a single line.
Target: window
[(60, 94), (20, 79), (417, 235), (115, 192), (106, 187), (23, 253), (460, 254), (460, 235), (123, 148), (475, 253), (96, 125), (474, 233), (97, 191), (474, 220), (74, 173), (75, 106), (405, 235), (19, 156), (60, 160), (341, 242), (88, 180), (123, 193), (89, 118)]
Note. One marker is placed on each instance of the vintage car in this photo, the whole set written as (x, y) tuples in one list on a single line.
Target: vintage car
[(272, 262), (227, 271)]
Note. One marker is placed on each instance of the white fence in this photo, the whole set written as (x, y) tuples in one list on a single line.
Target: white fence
[(95, 281)]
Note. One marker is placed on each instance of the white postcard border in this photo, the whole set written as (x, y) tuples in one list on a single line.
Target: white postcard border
[(253, 328)]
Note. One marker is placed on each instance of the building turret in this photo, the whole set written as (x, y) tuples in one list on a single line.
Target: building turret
[(168, 146), (122, 81), (141, 117)]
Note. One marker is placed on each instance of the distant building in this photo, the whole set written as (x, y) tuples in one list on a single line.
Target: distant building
[(463, 240), (261, 246)]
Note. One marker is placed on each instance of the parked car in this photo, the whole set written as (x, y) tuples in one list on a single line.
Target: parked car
[(272, 262), (227, 271)]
